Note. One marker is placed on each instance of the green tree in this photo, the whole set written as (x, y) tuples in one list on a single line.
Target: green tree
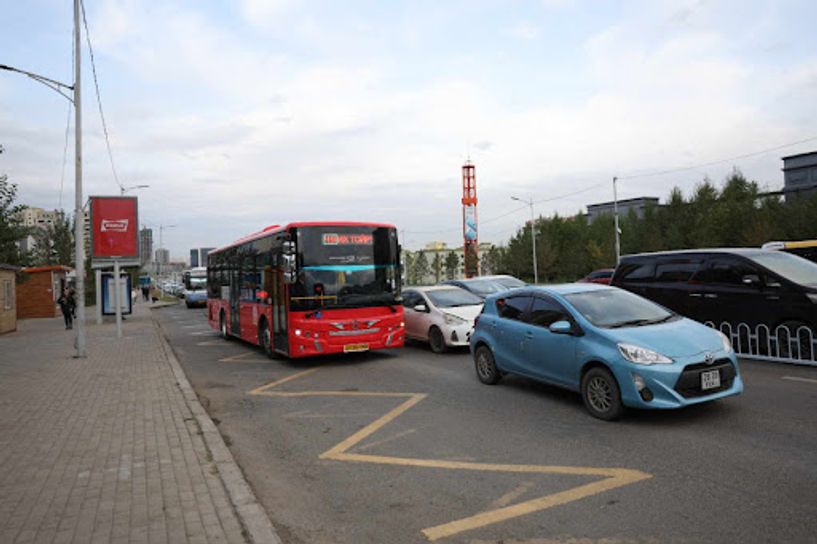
[(452, 263), (11, 229), (408, 270), (421, 268), (437, 267)]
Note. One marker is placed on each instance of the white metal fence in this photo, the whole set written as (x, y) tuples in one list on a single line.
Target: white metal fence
[(783, 345)]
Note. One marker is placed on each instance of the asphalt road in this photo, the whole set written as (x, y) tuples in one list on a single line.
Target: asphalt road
[(407, 446)]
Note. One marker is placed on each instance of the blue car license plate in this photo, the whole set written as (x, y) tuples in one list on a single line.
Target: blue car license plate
[(710, 379)]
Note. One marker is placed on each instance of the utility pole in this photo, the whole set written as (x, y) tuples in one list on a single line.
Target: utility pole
[(615, 215), (532, 235), (79, 215)]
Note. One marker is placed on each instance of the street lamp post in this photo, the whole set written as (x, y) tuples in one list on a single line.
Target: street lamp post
[(123, 189), (79, 216), (532, 234), (615, 216), (161, 246)]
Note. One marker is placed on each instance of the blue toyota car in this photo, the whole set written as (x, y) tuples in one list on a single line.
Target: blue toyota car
[(614, 347)]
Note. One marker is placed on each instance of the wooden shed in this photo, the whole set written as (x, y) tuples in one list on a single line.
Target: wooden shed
[(37, 294), (8, 303)]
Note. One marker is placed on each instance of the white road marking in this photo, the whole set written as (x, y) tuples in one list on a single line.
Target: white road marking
[(797, 379)]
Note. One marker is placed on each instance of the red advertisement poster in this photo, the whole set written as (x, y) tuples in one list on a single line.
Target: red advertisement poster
[(114, 227)]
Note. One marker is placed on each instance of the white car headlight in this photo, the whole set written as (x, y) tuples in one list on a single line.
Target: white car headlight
[(727, 345), (451, 319), (642, 356)]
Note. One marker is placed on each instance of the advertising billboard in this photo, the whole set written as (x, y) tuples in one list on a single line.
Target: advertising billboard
[(114, 229)]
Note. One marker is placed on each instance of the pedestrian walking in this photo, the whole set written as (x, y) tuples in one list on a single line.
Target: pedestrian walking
[(146, 293), (68, 306)]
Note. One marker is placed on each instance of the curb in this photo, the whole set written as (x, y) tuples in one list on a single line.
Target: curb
[(251, 514)]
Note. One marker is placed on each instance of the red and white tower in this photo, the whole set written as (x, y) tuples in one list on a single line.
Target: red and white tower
[(469, 220)]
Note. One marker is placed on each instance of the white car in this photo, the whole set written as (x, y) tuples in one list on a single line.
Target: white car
[(442, 315)]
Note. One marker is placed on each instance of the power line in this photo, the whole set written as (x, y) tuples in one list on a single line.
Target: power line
[(720, 161), (98, 97)]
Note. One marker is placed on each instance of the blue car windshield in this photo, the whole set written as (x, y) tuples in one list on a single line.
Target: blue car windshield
[(614, 308)]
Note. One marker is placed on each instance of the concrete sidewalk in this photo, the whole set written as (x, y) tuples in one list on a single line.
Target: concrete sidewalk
[(115, 447)]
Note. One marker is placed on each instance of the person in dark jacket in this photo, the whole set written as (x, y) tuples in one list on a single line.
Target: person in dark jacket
[(68, 306)]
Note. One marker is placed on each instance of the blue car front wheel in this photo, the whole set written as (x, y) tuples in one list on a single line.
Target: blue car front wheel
[(601, 394), (487, 371)]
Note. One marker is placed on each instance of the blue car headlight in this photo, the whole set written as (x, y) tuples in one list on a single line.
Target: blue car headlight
[(727, 345), (642, 356)]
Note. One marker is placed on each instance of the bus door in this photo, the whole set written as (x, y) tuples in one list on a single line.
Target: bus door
[(235, 297), (280, 338)]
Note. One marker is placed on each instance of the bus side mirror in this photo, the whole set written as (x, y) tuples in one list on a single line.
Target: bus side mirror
[(289, 268), (288, 247)]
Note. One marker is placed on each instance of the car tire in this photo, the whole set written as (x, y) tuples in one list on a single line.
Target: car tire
[(222, 326), (485, 366), (601, 394), (265, 338), (436, 340)]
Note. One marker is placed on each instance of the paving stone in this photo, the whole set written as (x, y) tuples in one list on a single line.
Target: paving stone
[(102, 449)]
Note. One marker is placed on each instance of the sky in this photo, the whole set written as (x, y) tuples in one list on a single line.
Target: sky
[(245, 113)]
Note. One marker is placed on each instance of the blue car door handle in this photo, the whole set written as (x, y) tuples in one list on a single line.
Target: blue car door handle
[(528, 334)]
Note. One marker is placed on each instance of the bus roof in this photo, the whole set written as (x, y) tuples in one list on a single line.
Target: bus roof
[(275, 229)]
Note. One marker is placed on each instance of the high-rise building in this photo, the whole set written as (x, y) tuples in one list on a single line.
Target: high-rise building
[(198, 256), (145, 245), (162, 256)]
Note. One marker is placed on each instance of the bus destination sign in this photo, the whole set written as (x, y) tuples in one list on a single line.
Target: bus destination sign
[(332, 239)]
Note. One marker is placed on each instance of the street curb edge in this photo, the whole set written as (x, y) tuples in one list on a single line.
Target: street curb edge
[(250, 512)]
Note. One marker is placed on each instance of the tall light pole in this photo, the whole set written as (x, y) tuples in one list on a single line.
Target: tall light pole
[(79, 215), (532, 235), (615, 219), (161, 245)]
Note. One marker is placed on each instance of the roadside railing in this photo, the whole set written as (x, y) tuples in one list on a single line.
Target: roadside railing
[(783, 345)]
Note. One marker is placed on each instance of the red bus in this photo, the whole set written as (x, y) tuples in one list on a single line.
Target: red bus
[(309, 289)]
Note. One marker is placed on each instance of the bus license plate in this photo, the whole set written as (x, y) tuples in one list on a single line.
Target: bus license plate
[(351, 348), (710, 379)]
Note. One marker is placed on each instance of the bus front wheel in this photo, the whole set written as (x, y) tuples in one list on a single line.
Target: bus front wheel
[(222, 325), (265, 338)]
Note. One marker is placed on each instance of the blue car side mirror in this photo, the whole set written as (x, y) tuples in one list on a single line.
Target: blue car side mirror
[(561, 327)]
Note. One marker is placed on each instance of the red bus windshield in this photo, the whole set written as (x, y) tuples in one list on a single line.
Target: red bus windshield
[(345, 267)]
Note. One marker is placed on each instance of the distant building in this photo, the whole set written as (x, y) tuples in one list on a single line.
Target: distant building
[(624, 206), (800, 175), (162, 256), (198, 256), (31, 217), (37, 217), (145, 245)]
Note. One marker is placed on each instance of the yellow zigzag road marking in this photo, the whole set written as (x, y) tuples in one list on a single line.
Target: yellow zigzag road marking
[(242, 358), (611, 477)]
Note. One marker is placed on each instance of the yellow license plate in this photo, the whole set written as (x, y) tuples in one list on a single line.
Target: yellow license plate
[(351, 348)]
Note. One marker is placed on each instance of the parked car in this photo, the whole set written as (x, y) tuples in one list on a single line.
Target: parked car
[(614, 347), (802, 248), (602, 276), (442, 315), (505, 280), (751, 286), (483, 286)]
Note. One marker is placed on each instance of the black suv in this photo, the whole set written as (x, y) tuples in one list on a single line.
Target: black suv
[(751, 286)]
